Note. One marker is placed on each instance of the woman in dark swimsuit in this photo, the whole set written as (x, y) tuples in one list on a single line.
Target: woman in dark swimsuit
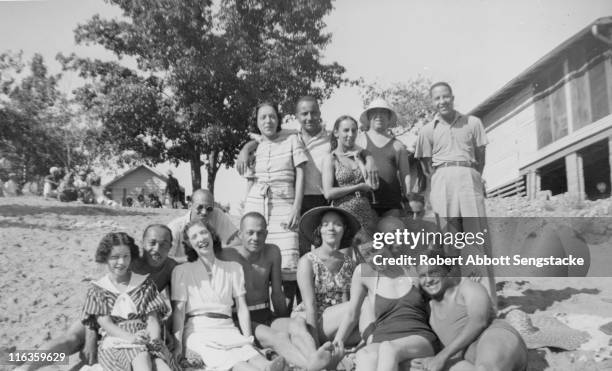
[(400, 331)]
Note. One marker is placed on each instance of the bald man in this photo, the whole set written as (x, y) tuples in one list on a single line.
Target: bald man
[(202, 207)]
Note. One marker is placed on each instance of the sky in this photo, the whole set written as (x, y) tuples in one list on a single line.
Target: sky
[(475, 45)]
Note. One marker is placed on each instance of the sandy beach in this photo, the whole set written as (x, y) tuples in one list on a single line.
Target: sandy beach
[(46, 263)]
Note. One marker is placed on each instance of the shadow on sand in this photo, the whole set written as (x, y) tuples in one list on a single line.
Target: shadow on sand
[(533, 300)]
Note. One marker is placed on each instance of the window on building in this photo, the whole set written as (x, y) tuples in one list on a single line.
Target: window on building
[(551, 108)]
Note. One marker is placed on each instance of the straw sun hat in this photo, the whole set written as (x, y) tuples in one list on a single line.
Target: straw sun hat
[(312, 219), (541, 331), (377, 103)]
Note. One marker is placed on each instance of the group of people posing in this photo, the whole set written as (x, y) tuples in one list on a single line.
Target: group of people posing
[(295, 276)]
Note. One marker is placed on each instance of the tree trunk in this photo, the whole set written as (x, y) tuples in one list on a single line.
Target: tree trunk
[(211, 170), (196, 174)]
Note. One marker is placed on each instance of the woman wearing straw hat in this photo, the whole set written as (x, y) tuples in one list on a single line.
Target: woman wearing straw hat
[(463, 319), (400, 330), (390, 157), (324, 277)]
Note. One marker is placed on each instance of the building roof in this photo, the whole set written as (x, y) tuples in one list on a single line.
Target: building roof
[(526, 77), (130, 171)]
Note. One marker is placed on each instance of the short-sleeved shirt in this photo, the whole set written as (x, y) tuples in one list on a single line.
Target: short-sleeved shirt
[(317, 149), (203, 293), (456, 141), (217, 219), (275, 163)]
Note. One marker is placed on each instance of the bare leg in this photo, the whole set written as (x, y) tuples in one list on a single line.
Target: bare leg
[(281, 343), (331, 319), (244, 366), (69, 343), (391, 353), (499, 349), (260, 363), (142, 362), (366, 358)]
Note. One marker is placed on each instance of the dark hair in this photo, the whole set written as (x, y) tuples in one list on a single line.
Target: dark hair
[(333, 141), (305, 98), (190, 252), (346, 239), (115, 239), (255, 215), (440, 83), (413, 196), (161, 226), (253, 126)]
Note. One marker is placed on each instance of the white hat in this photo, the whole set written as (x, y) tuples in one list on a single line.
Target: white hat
[(169, 172), (377, 103), (53, 169)]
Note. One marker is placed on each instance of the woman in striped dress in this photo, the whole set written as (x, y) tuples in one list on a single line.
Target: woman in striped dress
[(127, 307), (277, 188)]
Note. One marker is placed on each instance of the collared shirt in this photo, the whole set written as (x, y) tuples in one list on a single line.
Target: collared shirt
[(208, 293), (317, 149), (217, 219), (455, 141)]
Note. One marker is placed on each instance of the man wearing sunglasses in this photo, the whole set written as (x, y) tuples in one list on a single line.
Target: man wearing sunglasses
[(202, 207)]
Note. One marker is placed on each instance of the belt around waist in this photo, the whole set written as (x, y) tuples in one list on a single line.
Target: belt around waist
[(209, 315), (455, 163), (255, 307)]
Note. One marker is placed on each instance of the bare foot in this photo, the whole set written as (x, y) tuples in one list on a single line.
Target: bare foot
[(277, 364), (321, 358)]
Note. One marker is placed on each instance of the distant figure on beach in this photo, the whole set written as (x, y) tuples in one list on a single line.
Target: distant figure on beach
[(52, 181), (601, 191), (11, 187), (173, 190)]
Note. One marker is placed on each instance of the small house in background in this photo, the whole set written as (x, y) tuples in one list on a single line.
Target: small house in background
[(550, 128), (139, 180)]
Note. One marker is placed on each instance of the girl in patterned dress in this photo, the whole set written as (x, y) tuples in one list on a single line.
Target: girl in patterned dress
[(343, 176), (126, 307)]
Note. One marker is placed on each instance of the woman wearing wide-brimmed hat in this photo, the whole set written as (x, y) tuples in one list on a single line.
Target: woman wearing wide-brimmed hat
[(324, 278), (462, 317), (390, 156)]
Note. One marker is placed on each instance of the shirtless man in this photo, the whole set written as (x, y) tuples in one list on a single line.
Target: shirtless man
[(156, 242), (261, 264)]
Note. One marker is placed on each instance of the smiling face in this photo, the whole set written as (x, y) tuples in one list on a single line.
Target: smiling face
[(253, 232), (346, 133), (156, 243), (201, 240), (309, 116), (433, 279), (332, 229), (443, 100), (267, 121), (119, 260)]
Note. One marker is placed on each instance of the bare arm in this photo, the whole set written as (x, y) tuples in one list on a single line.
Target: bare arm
[(427, 166), (480, 158), (153, 326), (244, 317), (370, 168), (178, 324), (403, 165), (477, 304), (358, 294), (294, 216), (305, 279), (113, 330), (245, 156), (278, 299), (329, 191)]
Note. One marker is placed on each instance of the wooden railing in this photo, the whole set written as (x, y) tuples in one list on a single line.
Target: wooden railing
[(515, 187)]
